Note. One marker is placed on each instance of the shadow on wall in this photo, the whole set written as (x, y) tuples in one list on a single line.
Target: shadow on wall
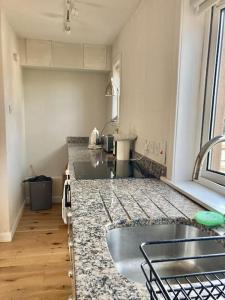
[(53, 165)]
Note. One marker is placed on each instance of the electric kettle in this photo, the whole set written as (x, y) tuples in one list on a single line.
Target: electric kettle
[(93, 140)]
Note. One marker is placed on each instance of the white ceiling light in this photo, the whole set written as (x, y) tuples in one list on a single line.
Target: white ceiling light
[(70, 11), (67, 25), (99, 23)]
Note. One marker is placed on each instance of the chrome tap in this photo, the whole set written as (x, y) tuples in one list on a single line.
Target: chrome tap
[(203, 153)]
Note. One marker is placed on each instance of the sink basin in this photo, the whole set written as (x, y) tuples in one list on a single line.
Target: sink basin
[(123, 245)]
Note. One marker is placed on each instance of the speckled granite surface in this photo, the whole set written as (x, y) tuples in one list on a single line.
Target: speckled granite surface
[(150, 166), (100, 205), (77, 140)]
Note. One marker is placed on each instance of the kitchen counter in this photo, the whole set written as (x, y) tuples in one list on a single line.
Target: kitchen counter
[(100, 205)]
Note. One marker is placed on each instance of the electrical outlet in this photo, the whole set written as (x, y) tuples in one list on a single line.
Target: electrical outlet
[(162, 151), (151, 147), (146, 147), (157, 148)]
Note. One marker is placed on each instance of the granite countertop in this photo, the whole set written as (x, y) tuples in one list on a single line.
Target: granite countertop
[(100, 205)]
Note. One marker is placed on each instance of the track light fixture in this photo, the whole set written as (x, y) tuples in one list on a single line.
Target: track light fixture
[(70, 11), (67, 25)]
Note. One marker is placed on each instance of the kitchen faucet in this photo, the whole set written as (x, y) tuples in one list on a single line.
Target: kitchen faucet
[(203, 153)]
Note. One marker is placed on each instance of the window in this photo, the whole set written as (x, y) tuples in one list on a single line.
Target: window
[(214, 110), (115, 104), (116, 84)]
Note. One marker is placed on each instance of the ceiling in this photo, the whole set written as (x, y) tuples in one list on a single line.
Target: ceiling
[(98, 21)]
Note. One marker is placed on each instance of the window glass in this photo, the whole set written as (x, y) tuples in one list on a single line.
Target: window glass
[(214, 105), (216, 160), (116, 84)]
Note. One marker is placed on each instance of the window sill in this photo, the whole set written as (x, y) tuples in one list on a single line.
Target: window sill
[(202, 195)]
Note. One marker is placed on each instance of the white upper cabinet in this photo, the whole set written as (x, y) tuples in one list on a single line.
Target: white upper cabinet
[(39, 53), (69, 56), (49, 54), (95, 57)]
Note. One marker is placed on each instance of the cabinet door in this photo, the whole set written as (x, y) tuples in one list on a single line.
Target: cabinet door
[(69, 56), (95, 57), (38, 53)]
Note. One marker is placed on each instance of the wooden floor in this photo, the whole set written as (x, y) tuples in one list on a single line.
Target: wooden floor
[(35, 265)]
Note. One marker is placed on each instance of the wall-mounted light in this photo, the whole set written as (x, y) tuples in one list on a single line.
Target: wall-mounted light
[(110, 89)]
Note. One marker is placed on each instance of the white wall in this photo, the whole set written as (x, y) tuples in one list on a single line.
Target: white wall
[(148, 46), (60, 104), (4, 204), (13, 135)]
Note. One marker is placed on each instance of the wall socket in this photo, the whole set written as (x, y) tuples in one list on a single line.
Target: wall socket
[(156, 149)]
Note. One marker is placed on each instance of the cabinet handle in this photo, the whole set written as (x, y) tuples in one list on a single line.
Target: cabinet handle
[(69, 216), (70, 244), (70, 274), (71, 297), (67, 195)]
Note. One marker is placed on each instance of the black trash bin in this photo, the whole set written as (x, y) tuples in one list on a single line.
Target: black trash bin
[(40, 188)]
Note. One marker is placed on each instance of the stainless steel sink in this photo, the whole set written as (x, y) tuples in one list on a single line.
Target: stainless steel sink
[(123, 244)]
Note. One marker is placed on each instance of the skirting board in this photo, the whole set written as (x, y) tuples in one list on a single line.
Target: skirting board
[(57, 199), (8, 236)]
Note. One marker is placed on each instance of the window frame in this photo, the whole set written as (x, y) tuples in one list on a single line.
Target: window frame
[(211, 88), (116, 98)]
